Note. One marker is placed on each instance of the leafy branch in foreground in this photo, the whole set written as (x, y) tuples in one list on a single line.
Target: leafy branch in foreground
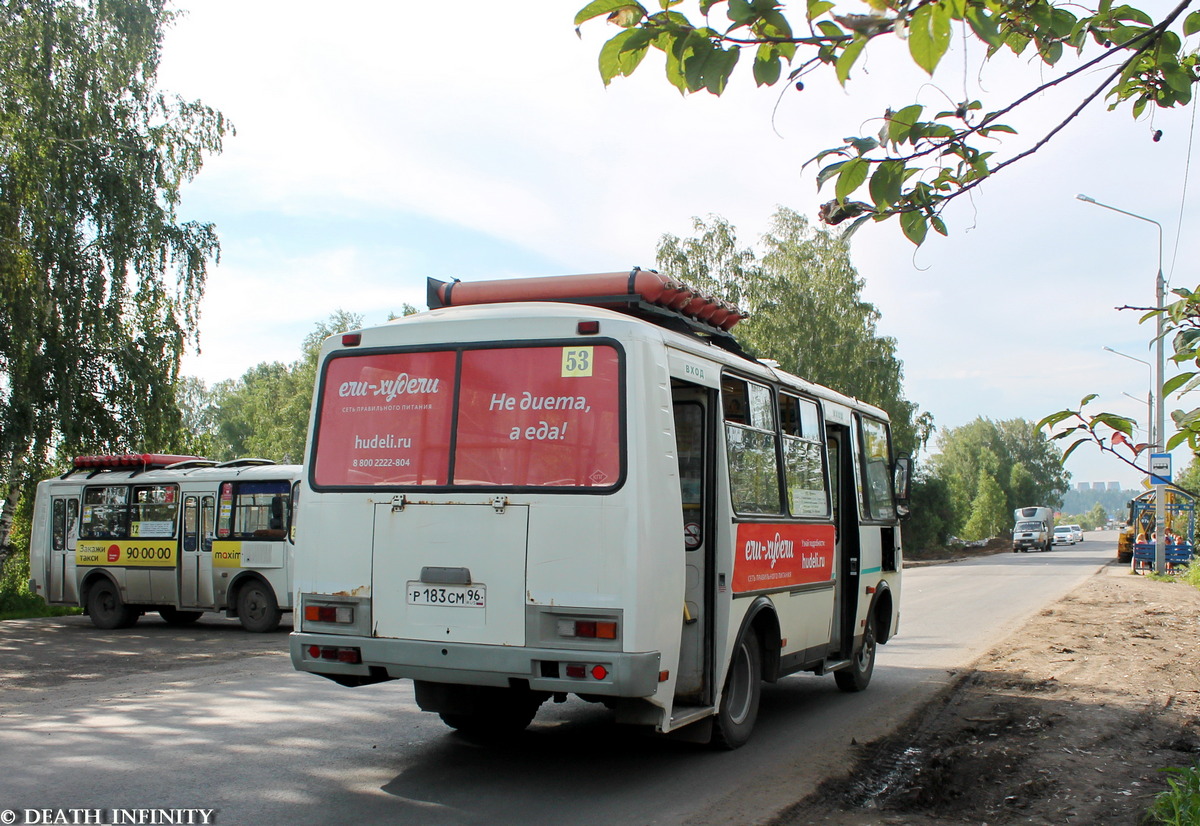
[(1114, 434), (918, 162)]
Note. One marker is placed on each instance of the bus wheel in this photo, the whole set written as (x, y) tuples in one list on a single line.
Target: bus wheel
[(857, 675), (505, 718), (107, 609), (173, 616), (258, 611), (743, 688)]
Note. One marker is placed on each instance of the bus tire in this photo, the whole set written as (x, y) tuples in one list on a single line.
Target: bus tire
[(857, 675), (258, 610), (503, 714), (743, 688), (173, 616), (499, 722), (107, 609)]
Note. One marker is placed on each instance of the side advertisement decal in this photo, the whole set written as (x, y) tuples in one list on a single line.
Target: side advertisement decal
[(782, 555), (227, 554), (127, 553)]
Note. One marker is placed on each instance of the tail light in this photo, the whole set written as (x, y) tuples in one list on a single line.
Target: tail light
[(587, 629), (336, 653), (329, 613)]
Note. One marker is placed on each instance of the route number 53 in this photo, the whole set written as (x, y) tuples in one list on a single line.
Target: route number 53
[(577, 361)]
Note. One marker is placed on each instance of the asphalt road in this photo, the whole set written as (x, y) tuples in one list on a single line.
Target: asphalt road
[(211, 717)]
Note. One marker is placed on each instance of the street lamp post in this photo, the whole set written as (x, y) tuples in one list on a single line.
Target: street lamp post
[(1160, 442), (1149, 393)]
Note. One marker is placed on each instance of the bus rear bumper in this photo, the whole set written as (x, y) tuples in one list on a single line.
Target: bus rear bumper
[(602, 673)]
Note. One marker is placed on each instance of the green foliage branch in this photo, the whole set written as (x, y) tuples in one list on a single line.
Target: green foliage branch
[(1114, 434), (919, 161)]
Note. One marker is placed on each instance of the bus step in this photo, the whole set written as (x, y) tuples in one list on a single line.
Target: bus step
[(831, 665), (682, 715)]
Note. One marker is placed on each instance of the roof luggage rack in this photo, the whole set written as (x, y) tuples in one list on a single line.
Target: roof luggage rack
[(136, 462), (647, 294)]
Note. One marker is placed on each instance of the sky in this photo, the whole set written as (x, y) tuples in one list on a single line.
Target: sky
[(384, 142)]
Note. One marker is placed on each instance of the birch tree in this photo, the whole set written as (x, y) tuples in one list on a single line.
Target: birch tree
[(100, 281)]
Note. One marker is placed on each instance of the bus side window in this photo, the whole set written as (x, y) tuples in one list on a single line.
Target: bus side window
[(191, 523), (291, 528), (105, 512), (72, 523), (750, 437), (877, 478), (155, 512), (225, 521), (803, 465), (735, 401), (59, 525), (208, 520), (278, 520)]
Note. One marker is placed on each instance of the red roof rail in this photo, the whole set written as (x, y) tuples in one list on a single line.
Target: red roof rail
[(143, 461), (636, 289)]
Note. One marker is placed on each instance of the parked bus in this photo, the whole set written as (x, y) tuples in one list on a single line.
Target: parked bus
[(508, 499), (122, 535)]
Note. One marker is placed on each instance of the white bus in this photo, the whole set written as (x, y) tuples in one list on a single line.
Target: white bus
[(508, 500), (122, 535)]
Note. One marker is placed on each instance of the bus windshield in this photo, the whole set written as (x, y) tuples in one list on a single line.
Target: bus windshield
[(516, 417)]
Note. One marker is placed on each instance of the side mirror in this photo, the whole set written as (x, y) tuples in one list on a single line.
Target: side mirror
[(902, 483)]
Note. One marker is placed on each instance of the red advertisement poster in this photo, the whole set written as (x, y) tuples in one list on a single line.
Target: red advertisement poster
[(385, 420), (781, 555), (545, 416)]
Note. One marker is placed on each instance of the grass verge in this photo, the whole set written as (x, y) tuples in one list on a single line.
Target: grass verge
[(1179, 805)]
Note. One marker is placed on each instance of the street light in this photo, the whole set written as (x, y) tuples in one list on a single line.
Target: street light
[(1160, 548), (1149, 393)]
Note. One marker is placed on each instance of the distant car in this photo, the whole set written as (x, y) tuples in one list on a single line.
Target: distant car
[(1078, 531), (1064, 535)]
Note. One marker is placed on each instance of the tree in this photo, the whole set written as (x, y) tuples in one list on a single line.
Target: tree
[(806, 309), (990, 514), (100, 280), (1013, 454), (265, 412), (918, 162), (932, 520), (1096, 518)]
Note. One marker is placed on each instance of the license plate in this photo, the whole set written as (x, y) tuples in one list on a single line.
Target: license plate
[(448, 596)]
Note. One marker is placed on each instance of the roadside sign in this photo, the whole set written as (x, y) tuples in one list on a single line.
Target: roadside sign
[(1160, 468)]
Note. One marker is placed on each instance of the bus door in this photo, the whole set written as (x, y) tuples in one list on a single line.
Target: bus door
[(847, 548), (64, 532), (693, 444), (195, 566)]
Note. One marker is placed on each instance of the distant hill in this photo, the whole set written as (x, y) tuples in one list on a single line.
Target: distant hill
[(1115, 502)]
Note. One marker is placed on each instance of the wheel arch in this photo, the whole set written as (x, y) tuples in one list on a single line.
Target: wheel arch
[(882, 607), (762, 620), (89, 582), (244, 578)]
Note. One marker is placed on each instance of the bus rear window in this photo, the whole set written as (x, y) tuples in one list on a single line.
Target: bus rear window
[(525, 417), (385, 420)]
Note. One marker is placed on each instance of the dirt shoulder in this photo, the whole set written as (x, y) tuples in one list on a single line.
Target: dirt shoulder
[(1070, 720)]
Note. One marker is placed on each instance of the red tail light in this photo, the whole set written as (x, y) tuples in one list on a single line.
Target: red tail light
[(336, 653), (329, 613)]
